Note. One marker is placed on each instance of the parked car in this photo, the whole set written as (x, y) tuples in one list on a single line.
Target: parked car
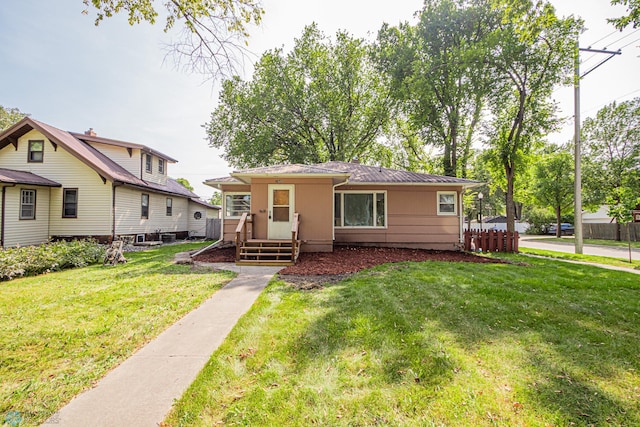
[(566, 229)]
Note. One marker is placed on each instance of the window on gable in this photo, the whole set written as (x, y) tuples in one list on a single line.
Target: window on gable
[(169, 206), (28, 204), (70, 203), (235, 204), (447, 203), (144, 211), (161, 166), (36, 152), (360, 209), (148, 163)]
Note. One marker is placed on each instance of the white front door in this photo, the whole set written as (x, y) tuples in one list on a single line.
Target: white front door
[(281, 207)]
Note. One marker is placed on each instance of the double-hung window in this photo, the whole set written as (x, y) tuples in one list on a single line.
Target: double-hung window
[(144, 211), (235, 204), (36, 152), (169, 206), (70, 203), (148, 163), (447, 203), (360, 209), (28, 204), (161, 166)]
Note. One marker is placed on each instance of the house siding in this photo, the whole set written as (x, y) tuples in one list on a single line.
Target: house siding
[(121, 156), (412, 220), (154, 176), (94, 195), (26, 232), (198, 227), (128, 213)]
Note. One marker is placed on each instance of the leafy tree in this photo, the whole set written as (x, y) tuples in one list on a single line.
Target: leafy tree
[(322, 101), (530, 52), (633, 16), (185, 183), (553, 183), (437, 76), (9, 116), (216, 198), (611, 151), (212, 31), (621, 202)]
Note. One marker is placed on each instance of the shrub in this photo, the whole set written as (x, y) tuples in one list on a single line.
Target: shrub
[(539, 220), (53, 256)]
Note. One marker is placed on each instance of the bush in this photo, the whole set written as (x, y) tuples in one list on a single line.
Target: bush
[(53, 256), (539, 220)]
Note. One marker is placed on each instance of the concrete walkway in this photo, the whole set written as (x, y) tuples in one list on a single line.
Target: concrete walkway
[(140, 391)]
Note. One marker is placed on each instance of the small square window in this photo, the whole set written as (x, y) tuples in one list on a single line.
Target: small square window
[(145, 206), (169, 206), (70, 203), (28, 204), (148, 163), (447, 203), (36, 152)]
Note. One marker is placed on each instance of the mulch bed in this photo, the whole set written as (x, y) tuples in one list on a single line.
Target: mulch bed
[(350, 259)]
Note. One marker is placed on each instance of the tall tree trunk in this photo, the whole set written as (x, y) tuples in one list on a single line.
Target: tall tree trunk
[(558, 221), (510, 173)]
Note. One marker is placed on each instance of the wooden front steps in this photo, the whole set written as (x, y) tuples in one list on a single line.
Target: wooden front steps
[(268, 252)]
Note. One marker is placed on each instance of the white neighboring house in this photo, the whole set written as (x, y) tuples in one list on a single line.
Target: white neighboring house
[(601, 216), (498, 223), (58, 184)]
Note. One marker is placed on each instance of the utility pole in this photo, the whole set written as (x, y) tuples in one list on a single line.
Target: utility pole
[(577, 143)]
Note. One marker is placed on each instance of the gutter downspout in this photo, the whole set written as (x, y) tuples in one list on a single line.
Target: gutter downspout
[(461, 217), (333, 203), (2, 215)]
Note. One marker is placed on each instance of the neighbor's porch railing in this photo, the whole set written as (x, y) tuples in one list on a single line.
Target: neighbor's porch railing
[(491, 241), (241, 232)]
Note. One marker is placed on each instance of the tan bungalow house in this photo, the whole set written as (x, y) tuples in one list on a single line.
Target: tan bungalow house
[(313, 207), (59, 184)]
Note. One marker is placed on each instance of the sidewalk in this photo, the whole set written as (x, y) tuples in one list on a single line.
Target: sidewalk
[(141, 390)]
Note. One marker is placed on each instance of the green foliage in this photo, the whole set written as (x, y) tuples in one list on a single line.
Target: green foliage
[(538, 219), (621, 202), (185, 183), (9, 116), (212, 30), (216, 198), (322, 101), (633, 16), (53, 256), (437, 77), (530, 52), (611, 151)]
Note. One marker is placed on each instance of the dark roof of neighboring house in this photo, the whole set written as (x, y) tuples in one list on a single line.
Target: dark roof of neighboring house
[(355, 172), (205, 204), (106, 168), (124, 144), (10, 176)]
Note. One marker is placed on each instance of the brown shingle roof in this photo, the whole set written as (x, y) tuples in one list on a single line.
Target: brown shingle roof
[(125, 144), (357, 173), (10, 176)]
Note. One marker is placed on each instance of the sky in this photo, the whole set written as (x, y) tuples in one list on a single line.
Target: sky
[(64, 71)]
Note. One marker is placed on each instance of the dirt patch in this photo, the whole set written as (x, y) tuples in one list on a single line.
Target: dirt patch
[(217, 255)]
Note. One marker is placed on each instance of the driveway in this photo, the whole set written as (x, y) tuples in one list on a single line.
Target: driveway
[(542, 242)]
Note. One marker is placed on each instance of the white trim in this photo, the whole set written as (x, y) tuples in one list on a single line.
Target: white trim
[(362, 227), (455, 204), (233, 193)]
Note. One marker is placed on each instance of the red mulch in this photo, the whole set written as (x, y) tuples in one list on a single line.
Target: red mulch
[(350, 259)]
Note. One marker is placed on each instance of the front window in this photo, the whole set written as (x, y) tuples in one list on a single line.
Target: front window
[(28, 204), (70, 203), (169, 206), (148, 163), (235, 204), (360, 209), (145, 206), (36, 151), (161, 166), (447, 203)]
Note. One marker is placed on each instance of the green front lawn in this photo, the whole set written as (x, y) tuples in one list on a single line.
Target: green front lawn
[(571, 240), (530, 344), (617, 262), (61, 332)]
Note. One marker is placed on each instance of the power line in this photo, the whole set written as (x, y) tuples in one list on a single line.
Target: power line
[(624, 37), (605, 37), (629, 44)]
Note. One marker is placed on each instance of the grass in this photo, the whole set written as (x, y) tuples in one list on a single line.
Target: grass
[(571, 240), (616, 262), (62, 332), (433, 343)]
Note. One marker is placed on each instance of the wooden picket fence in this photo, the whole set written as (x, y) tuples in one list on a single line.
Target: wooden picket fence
[(491, 241)]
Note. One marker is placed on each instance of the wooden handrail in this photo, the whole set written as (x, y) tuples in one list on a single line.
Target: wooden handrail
[(241, 228), (294, 236)]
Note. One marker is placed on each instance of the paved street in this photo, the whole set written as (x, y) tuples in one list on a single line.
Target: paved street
[(539, 242)]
